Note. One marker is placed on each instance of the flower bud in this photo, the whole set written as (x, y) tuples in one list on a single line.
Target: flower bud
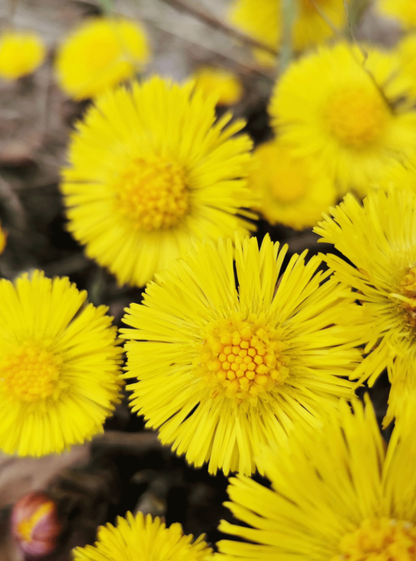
[(35, 524)]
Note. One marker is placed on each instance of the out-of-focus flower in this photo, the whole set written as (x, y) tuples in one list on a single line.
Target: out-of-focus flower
[(223, 84), (262, 20), (143, 538), (406, 52), (99, 54), (379, 239), (3, 240), (21, 52), (59, 366), (35, 524), (336, 495), (222, 369), (150, 171), (337, 108), (290, 190), (402, 10)]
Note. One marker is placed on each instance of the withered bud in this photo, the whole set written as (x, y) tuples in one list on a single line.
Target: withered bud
[(35, 524)]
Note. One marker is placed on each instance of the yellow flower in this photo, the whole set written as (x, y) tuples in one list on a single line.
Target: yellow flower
[(337, 109), (336, 495), (406, 51), (222, 370), (223, 84), (150, 171), (379, 239), (143, 539), (403, 10), (3, 240), (59, 366), (262, 20), (21, 52), (99, 54), (291, 192)]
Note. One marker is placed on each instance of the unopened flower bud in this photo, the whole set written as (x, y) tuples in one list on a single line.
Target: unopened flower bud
[(35, 524)]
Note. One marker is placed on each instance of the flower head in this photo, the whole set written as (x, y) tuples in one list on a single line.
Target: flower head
[(219, 82), (379, 239), (35, 524), (99, 54), (139, 537), (59, 366), (151, 170), (336, 495), (340, 110), (403, 10), (21, 52), (290, 190), (222, 369), (262, 20)]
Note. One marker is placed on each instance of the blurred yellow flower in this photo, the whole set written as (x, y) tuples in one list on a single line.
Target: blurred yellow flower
[(402, 10), (262, 20), (145, 539), (3, 240), (99, 54), (406, 51), (21, 52), (379, 239), (336, 495), (221, 368), (340, 109), (219, 82), (59, 366), (290, 190), (150, 170)]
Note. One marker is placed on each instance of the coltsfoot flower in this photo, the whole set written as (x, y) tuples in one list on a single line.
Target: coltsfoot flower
[(336, 495), (99, 54), (21, 52), (150, 170), (290, 189), (145, 539), (59, 366), (344, 112), (379, 240), (222, 369), (224, 84)]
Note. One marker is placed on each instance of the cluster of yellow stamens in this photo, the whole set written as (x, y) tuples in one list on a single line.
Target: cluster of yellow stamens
[(379, 540), (152, 193), (408, 286), (30, 373), (241, 358), (356, 116)]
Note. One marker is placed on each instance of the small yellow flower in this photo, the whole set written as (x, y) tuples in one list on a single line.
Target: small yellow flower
[(402, 10), (150, 170), (21, 52), (59, 366), (341, 110), (99, 54), (379, 239), (222, 368), (290, 189), (336, 495), (145, 539), (223, 84), (262, 19)]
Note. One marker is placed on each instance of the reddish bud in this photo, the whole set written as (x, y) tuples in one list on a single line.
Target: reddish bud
[(35, 524)]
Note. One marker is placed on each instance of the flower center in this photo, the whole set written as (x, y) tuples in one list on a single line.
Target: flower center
[(379, 540), (31, 373), (288, 183), (153, 194), (241, 358), (408, 300), (356, 115)]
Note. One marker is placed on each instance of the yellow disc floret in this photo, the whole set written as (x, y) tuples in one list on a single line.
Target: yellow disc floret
[(242, 357), (31, 373), (21, 52), (357, 115), (379, 540), (153, 194)]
